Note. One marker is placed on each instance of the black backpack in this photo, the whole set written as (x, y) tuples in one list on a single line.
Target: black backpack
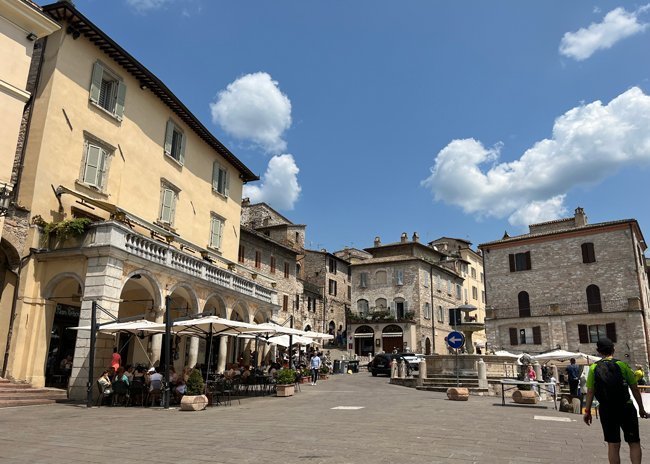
[(610, 387)]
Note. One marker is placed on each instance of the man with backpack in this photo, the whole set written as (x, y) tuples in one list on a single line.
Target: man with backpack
[(608, 380)]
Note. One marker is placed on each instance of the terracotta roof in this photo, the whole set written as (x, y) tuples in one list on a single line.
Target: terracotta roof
[(79, 24), (598, 225)]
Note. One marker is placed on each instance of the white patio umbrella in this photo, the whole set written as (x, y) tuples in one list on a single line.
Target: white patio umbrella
[(283, 340), (130, 327), (507, 354), (588, 357), (215, 325), (273, 328), (555, 355), (318, 335)]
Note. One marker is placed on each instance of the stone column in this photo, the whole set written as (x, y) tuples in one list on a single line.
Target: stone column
[(103, 284), (223, 352), (422, 372), (194, 352), (482, 374), (156, 339), (469, 345), (393, 369)]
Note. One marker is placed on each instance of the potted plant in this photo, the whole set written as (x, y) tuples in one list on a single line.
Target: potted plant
[(194, 399), (285, 382), (324, 371)]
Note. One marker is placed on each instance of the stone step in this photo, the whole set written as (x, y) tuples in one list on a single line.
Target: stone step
[(25, 402), (49, 393), (12, 385)]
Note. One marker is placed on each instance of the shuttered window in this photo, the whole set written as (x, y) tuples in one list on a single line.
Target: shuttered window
[(399, 277), (107, 90), (216, 231), (94, 170), (241, 254), (220, 179), (363, 280), (175, 142), (520, 261), (258, 259), (588, 253), (514, 340), (537, 335), (272, 264), (594, 304), (168, 196), (593, 333), (524, 304), (583, 333)]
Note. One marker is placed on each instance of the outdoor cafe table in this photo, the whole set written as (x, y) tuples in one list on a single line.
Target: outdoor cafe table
[(548, 387)]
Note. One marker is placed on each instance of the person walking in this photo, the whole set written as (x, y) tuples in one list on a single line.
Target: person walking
[(608, 380), (573, 372), (314, 364)]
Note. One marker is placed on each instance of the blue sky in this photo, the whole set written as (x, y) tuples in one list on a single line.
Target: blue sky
[(374, 117)]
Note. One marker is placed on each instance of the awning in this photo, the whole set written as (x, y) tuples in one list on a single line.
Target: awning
[(130, 327), (392, 334), (363, 335)]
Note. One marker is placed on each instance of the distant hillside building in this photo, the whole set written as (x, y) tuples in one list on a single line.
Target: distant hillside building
[(566, 284)]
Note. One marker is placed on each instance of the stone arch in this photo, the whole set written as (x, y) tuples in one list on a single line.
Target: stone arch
[(10, 252), (215, 301), (155, 290), (259, 317), (48, 291), (240, 312), (184, 287)]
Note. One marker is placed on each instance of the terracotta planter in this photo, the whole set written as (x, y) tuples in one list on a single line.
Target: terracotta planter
[(458, 394), (194, 403), (284, 390), (525, 397)]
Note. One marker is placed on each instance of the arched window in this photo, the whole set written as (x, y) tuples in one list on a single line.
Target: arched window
[(524, 304), (588, 253), (362, 307), (427, 311), (593, 299), (381, 304)]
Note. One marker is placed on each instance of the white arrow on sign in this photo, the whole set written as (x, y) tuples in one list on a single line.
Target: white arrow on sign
[(454, 340)]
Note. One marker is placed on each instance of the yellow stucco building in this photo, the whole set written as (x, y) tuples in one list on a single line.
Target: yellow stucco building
[(129, 199)]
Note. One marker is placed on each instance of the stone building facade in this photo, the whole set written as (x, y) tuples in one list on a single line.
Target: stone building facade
[(273, 245), (567, 283), (329, 273), (146, 209), (403, 297)]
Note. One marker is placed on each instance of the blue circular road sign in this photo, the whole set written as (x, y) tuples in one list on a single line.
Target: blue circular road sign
[(455, 340)]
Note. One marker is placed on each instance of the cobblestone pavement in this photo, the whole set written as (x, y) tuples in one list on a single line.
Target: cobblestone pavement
[(394, 425)]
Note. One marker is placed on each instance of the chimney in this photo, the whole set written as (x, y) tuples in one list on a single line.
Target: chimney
[(416, 237), (245, 201), (377, 241), (580, 219), (404, 238)]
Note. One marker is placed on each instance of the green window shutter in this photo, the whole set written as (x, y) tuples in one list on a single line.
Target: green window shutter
[(121, 96), (173, 207), (215, 176), (91, 171), (583, 333), (221, 227), (166, 207), (537, 335), (96, 82), (181, 154), (226, 181), (513, 336), (169, 136), (101, 172)]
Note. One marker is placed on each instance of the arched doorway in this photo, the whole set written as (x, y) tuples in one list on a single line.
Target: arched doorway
[(210, 350), (9, 260), (364, 338), (184, 349), (65, 292), (392, 338), (427, 346), (332, 328), (307, 328), (140, 296)]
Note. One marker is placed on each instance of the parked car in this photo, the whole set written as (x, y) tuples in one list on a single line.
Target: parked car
[(380, 364)]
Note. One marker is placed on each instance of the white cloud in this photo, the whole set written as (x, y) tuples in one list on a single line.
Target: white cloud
[(253, 108), (147, 5), (617, 25), (589, 143), (279, 186)]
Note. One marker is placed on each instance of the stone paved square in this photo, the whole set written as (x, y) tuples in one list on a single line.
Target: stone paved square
[(394, 424)]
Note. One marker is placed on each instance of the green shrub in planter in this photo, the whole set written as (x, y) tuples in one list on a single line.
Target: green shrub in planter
[(195, 384), (286, 377), (324, 369)]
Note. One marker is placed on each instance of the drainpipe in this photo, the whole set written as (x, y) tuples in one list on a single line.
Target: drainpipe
[(30, 105), (433, 311), (12, 315)]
